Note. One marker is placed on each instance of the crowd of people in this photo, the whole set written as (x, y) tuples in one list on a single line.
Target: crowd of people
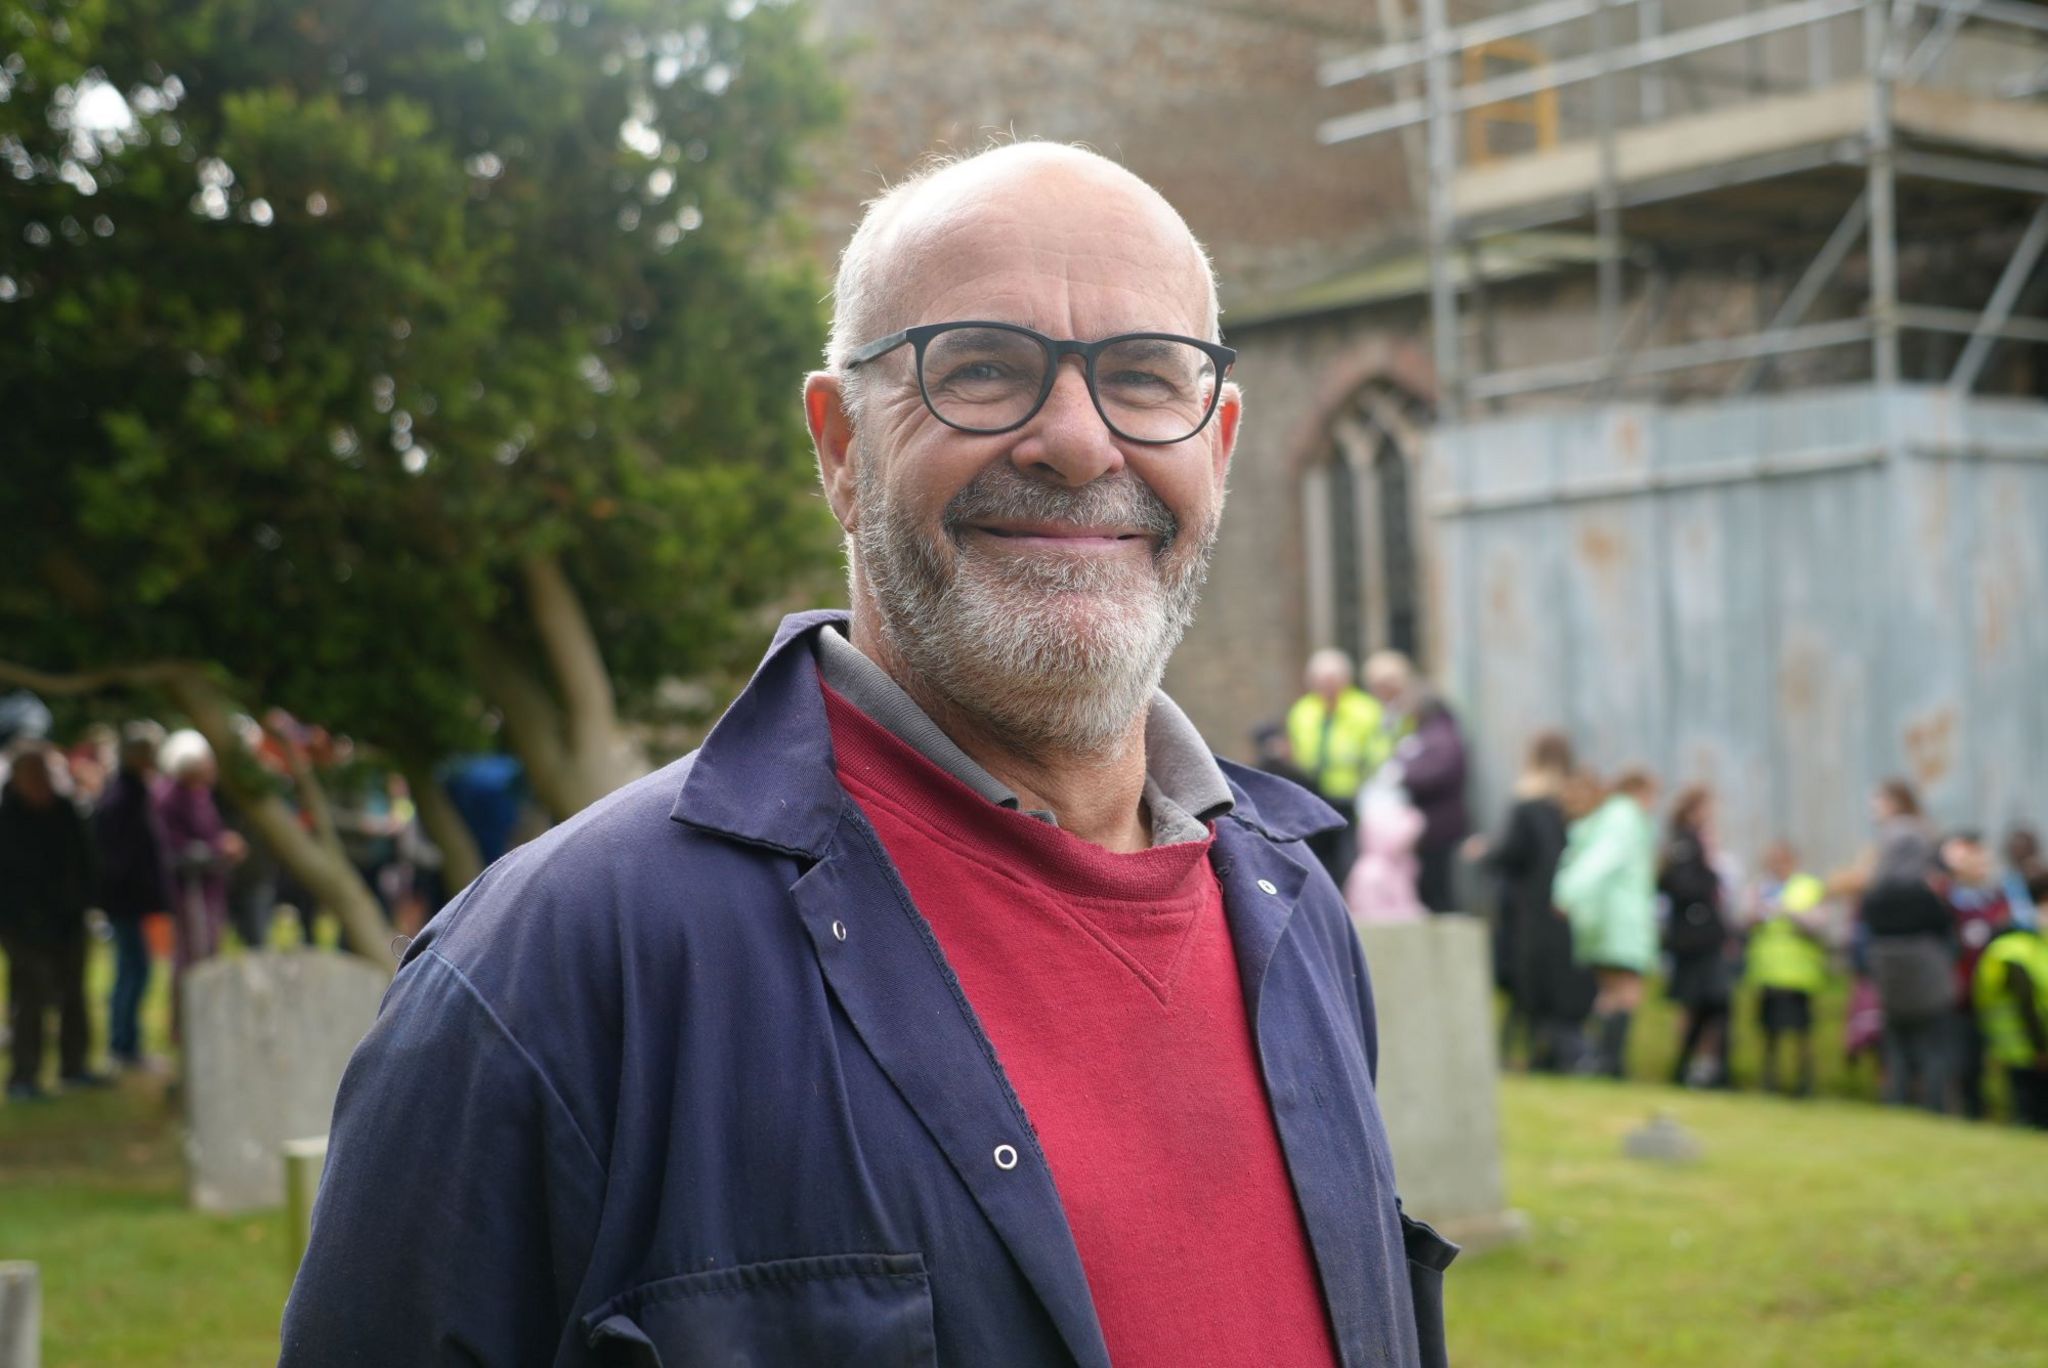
[(125, 836), (1936, 937), (1596, 896)]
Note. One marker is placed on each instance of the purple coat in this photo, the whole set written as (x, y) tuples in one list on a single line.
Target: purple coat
[(193, 830), (1433, 771)]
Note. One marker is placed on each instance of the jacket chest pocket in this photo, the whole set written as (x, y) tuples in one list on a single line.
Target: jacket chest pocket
[(844, 1309)]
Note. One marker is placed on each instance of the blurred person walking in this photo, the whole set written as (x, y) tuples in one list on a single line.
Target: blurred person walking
[(46, 883), (1908, 943), (1697, 935), (1335, 736), (1429, 750), (2010, 995), (1607, 886), (1977, 900), (1902, 851), (135, 882), (1549, 992), (202, 848), (1788, 963)]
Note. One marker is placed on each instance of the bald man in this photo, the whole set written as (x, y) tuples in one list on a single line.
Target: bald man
[(953, 1004)]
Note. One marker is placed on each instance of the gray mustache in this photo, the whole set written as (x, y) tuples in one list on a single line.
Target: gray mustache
[(1002, 492)]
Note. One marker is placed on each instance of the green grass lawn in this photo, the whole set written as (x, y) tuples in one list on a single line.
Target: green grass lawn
[(1827, 1232), (1808, 1233)]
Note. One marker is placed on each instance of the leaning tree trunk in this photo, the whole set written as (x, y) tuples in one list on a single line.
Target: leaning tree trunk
[(566, 731)]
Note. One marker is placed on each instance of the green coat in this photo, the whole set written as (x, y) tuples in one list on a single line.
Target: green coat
[(1607, 886)]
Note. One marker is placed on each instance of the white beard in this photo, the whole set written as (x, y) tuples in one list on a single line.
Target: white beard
[(1049, 653)]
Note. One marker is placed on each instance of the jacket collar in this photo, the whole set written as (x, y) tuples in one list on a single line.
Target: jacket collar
[(765, 774)]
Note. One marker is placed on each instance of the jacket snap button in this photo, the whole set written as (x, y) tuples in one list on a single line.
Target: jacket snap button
[(1266, 886), (839, 930), (1006, 1157)]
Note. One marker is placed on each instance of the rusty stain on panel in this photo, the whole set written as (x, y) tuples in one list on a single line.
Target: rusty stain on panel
[(1931, 746), (1628, 440), (1604, 553)]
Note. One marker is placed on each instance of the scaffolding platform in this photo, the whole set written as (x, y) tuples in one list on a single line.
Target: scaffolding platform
[(1807, 129)]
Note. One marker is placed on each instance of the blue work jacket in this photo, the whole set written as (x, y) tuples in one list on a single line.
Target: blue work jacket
[(687, 1081)]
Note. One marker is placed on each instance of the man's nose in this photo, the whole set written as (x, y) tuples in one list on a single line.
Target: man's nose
[(1068, 440)]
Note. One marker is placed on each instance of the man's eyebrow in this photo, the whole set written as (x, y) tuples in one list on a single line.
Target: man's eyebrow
[(1147, 346)]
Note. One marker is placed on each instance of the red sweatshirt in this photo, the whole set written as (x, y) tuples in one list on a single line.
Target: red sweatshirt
[(1108, 985)]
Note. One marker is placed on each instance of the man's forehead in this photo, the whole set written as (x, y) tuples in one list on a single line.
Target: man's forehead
[(1016, 232)]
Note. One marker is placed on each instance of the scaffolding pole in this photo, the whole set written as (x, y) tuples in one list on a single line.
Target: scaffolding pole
[(1806, 292), (1881, 189), (1443, 166), (1606, 197)]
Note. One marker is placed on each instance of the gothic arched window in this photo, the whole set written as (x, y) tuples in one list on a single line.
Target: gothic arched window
[(1364, 577)]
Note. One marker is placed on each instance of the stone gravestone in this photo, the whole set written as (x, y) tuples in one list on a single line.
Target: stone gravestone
[(21, 1316), (1432, 984), (266, 1038)]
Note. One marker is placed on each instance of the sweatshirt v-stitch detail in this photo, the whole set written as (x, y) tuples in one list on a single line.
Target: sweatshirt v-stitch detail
[(1186, 904)]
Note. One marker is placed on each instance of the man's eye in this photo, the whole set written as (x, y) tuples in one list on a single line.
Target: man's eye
[(980, 374)]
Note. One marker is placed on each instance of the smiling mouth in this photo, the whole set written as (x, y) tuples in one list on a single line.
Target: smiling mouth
[(1059, 533)]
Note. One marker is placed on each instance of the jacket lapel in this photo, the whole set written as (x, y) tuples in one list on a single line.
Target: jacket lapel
[(1312, 1054), (887, 971)]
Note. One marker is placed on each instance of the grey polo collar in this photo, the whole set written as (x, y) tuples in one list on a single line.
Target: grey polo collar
[(1184, 786)]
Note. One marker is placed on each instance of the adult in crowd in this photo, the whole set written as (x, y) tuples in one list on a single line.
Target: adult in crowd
[(46, 883), (1906, 850), (1430, 750), (1788, 963), (135, 882), (1696, 933), (1907, 941), (1607, 886), (924, 1012), (202, 848), (1335, 737), (1549, 992)]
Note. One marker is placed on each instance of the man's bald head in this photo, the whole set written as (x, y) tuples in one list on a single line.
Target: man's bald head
[(918, 219)]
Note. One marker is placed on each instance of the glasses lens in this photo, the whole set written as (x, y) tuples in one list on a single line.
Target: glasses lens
[(1153, 389), (983, 379)]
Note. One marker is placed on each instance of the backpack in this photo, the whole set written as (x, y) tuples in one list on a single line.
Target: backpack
[(1915, 976)]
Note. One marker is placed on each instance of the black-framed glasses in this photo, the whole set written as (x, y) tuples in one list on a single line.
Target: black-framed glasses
[(1151, 388)]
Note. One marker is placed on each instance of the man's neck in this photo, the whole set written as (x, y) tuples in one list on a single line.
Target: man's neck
[(1099, 798)]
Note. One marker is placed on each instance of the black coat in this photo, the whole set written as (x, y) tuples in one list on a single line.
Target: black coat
[(1535, 941), (134, 875), (1697, 932), (46, 870)]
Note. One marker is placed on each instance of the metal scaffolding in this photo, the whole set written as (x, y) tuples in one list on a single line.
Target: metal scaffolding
[(1936, 92)]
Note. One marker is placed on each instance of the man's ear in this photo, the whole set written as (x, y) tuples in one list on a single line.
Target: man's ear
[(1229, 414), (832, 438)]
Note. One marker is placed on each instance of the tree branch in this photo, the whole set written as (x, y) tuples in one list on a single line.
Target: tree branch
[(147, 674)]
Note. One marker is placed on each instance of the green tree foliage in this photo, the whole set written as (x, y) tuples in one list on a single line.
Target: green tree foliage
[(405, 359)]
